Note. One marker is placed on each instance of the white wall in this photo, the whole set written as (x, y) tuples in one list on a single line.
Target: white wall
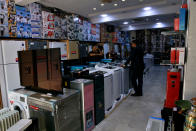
[(190, 67)]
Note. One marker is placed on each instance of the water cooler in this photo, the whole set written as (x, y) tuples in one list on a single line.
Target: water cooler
[(173, 87), (98, 79), (87, 102)]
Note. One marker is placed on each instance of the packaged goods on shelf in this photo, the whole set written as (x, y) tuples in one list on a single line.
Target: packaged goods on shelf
[(48, 25), (36, 20)]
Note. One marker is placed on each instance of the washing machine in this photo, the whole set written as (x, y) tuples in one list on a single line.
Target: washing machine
[(125, 78), (117, 79), (18, 101)]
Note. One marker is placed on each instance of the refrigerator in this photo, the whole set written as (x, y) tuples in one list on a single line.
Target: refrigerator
[(62, 46), (9, 69)]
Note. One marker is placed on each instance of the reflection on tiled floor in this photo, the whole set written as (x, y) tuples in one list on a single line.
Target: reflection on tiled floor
[(133, 113)]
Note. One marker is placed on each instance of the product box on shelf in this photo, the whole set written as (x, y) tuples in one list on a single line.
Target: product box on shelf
[(48, 25), (4, 31), (3, 19), (57, 26), (12, 28), (64, 27), (71, 27), (36, 20), (23, 19), (3, 6)]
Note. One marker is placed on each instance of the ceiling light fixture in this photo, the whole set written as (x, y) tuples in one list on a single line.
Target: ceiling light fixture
[(115, 4), (76, 19), (94, 8), (102, 4), (159, 23), (125, 23), (123, 0), (147, 8), (104, 15)]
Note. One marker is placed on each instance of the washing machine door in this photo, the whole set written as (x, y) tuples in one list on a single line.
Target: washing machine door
[(22, 111)]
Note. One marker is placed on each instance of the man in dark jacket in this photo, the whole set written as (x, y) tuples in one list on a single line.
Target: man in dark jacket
[(136, 59)]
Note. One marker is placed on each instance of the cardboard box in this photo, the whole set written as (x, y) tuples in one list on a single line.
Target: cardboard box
[(48, 25)]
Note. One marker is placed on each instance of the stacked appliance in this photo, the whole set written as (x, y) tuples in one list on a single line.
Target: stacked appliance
[(173, 87), (9, 69), (62, 46), (18, 101), (56, 113), (35, 45), (117, 79), (73, 50), (87, 102), (98, 79)]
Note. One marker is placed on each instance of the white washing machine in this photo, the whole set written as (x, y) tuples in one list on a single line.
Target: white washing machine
[(117, 79), (18, 101), (125, 78)]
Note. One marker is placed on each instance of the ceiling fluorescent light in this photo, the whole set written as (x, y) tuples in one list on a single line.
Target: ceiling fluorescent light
[(102, 4), (104, 15), (147, 8), (125, 23)]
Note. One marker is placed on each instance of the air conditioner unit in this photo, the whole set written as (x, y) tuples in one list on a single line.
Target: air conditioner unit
[(25, 2)]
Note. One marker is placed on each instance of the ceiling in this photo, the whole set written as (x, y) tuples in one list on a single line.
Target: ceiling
[(127, 10)]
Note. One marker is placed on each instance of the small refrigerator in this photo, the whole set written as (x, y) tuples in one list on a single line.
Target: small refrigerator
[(9, 67)]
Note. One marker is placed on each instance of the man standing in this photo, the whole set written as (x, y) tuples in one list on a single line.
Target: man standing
[(137, 67)]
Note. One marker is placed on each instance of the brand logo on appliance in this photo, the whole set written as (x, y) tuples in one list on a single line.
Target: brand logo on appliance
[(34, 107), (73, 52), (16, 59)]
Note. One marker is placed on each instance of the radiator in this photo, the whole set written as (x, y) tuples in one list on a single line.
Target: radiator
[(8, 118)]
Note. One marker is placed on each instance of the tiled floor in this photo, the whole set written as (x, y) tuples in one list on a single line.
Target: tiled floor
[(133, 113)]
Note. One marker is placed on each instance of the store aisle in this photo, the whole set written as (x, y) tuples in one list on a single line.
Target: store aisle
[(133, 113)]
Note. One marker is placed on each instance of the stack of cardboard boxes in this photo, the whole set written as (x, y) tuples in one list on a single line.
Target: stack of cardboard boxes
[(23, 19), (12, 18), (3, 18), (48, 25), (36, 20)]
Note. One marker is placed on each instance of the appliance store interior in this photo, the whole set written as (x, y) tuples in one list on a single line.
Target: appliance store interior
[(97, 65)]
